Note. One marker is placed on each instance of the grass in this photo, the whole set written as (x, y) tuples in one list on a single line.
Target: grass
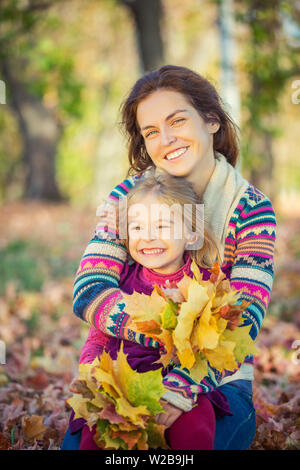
[(29, 264)]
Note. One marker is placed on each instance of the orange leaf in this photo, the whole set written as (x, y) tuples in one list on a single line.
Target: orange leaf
[(33, 427), (131, 438), (149, 327)]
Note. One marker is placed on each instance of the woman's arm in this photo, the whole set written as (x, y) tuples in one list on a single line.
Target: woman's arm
[(97, 298), (253, 269), (252, 274)]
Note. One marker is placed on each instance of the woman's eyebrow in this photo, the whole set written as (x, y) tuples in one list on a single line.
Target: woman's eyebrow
[(167, 118)]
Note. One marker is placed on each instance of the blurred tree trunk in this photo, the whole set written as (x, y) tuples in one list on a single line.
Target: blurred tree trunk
[(147, 16), (40, 134), (229, 85)]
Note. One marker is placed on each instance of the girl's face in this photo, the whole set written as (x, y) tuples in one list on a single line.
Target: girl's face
[(156, 235), (177, 139)]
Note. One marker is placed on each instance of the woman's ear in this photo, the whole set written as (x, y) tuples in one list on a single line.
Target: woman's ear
[(213, 127), (213, 124)]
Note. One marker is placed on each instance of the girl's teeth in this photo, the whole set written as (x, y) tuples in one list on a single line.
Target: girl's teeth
[(153, 251), (176, 154)]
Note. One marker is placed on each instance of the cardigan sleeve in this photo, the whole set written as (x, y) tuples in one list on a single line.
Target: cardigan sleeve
[(253, 269), (252, 275), (97, 298)]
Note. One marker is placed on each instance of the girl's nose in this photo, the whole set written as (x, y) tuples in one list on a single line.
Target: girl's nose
[(148, 234)]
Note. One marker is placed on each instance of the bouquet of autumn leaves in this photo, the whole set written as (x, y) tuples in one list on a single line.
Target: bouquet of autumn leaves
[(199, 324), (120, 402)]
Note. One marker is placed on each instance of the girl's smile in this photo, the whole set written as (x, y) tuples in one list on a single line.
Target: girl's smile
[(152, 251)]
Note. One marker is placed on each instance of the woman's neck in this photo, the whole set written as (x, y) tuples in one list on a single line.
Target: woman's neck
[(202, 175)]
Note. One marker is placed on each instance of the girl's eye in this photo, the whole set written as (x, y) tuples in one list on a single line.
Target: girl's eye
[(136, 228)]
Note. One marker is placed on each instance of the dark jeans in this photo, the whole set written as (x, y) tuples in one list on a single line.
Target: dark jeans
[(232, 432)]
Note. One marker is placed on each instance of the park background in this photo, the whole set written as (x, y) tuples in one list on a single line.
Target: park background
[(65, 68)]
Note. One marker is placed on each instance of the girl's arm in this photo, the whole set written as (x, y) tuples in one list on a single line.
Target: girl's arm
[(252, 274), (93, 346), (97, 298)]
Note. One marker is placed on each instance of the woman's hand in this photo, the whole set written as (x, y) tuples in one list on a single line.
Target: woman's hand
[(168, 418)]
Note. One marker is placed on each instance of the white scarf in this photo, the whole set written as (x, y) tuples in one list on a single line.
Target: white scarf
[(221, 196)]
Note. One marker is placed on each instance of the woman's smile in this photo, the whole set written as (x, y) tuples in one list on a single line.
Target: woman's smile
[(176, 154)]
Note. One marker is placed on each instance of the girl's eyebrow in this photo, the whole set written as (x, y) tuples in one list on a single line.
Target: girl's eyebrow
[(167, 118)]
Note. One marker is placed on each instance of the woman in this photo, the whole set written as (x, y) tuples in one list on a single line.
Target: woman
[(175, 121)]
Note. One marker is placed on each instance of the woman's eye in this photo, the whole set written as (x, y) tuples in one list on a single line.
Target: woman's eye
[(178, 120), (150, 133)]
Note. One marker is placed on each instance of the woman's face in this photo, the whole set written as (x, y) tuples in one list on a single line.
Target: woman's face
[(177, 138)]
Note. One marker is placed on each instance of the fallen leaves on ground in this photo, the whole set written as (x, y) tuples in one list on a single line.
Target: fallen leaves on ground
[(43, 339)]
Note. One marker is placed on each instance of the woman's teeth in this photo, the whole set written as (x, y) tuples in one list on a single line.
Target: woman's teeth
[(176, 154), (152, 251)]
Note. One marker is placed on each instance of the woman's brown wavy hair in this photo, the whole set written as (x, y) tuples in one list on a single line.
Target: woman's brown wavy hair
[(198, 91)]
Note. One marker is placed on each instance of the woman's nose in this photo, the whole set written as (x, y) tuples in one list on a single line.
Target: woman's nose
[(167, 137)]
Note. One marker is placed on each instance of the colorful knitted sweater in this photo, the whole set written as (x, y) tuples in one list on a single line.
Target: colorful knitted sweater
[(248, 260)]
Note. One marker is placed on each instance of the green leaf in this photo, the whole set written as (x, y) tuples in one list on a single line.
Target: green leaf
[(144, 389), (168, 318)]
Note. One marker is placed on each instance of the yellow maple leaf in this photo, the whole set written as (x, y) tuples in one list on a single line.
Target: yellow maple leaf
[(244, 344), (188, 312), (206, 330), (143, 307), (196, 271), (134, 413), (79, 405), (166, 338), (199, 369), (222, 356), (183, 285)]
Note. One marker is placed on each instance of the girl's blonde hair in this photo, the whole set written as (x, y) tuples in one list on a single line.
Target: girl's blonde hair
[(176, 190)]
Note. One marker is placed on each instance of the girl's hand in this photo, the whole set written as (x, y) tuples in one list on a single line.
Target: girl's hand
[(168, 418), (73, 386)]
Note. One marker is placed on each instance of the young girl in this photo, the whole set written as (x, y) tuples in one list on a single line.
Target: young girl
[(161, 256)]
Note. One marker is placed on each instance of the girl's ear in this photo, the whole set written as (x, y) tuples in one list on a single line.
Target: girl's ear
[(191, 239)]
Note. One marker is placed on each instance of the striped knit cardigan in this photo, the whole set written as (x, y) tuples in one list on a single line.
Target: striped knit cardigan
[(248, 255)]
